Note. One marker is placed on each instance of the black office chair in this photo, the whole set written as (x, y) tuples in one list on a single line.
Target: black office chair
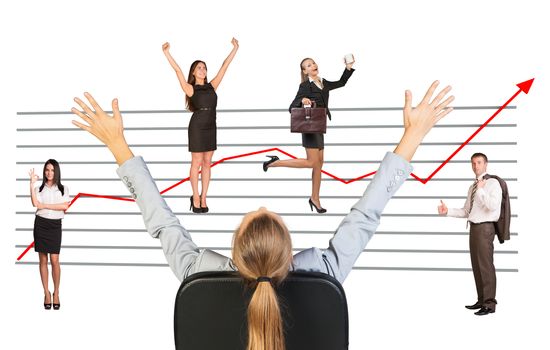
[(210, 312)]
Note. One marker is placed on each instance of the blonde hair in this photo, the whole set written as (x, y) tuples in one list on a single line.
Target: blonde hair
[(303, 75), (262, 248)]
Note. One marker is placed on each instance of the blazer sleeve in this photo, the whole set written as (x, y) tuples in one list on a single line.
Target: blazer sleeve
[(303, 91), (331, 85), (358, 227), (182, 254)]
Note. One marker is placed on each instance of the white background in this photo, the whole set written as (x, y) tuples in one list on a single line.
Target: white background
[(56, 50)]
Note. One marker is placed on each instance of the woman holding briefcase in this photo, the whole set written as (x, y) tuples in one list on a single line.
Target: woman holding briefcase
[(312, 89)]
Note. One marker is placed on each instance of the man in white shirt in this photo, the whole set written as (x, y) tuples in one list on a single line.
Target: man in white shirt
[(482, 209)]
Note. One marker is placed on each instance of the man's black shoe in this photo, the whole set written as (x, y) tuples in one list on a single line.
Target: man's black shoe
[(484, 311), (476, 306)]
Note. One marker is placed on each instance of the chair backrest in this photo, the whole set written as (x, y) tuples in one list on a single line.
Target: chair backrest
[(210, 312)]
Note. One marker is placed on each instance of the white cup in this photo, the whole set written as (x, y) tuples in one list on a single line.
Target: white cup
[(349, 58)]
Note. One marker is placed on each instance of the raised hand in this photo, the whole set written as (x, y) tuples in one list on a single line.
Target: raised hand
[(108, 129), (219, 77), (166, 46), (349, 64), (427, 113), (442, 208), (418, 121), (33, 176), (235, 43)]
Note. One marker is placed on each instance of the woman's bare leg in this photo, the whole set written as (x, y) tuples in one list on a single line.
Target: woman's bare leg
[(205, 176), (316, 179), (312, 158), (196, 164), (56, 276), (43, 266)]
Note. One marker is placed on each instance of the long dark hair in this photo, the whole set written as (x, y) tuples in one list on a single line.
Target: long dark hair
[(191, 80), (56, 175)]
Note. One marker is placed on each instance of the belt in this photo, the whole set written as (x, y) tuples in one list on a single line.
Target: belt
[(205, 109), (481, 223)]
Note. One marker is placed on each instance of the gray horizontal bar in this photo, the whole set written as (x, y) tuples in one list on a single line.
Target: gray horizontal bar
[(421, 251), (273, 127), (236, 214), (355, 268), (68, 263), (356, 161), (248, 179), (450, 269), (167, 196), (108, 247), (370, 144), (193, 231), (256, 110)]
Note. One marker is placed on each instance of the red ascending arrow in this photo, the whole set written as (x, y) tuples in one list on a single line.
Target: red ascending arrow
[(525, 87)]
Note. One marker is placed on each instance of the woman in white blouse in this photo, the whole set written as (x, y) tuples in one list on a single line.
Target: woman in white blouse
[(51, 199)]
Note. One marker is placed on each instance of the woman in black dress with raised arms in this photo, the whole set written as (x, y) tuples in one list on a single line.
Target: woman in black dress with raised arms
[(201, 99)]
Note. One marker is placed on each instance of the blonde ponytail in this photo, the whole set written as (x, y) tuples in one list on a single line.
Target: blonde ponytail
[(265, 325), (262, 252)]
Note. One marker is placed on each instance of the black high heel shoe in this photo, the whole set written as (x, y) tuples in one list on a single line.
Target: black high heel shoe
[(56, 306), (196, 210), (319, 210), (266, 163), (203, 209), (47, 306)]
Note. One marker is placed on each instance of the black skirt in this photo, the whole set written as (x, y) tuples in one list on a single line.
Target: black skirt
[(202, 131), (313, 141), (47, 235)]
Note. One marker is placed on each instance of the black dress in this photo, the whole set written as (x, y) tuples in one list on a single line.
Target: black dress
[(202, 126), (320, 96)]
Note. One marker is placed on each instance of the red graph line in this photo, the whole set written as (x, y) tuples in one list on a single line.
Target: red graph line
[(525, 87), (223, 160), (26, 250)]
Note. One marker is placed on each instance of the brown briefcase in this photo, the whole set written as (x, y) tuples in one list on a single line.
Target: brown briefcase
[(311, 120)]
